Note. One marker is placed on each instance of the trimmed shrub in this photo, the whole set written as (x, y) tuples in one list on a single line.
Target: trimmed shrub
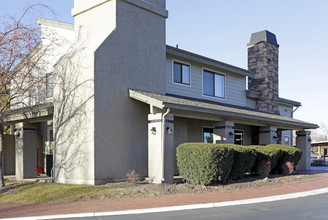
[(267, 153), (287, 168), (244, 159), (263, 168), (289, 153), (205, 164)]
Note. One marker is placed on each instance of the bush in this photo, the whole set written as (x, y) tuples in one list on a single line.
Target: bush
[(287, 168), (132, 177), (263, 168), (204, 164), (289, 153), (244, 159), (267, 153)]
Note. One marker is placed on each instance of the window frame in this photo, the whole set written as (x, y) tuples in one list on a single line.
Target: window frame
[(214, 73), (182, 64)]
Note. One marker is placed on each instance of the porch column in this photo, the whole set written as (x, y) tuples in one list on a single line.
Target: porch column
[(279, 136), (303, 142), (224, 133), (26, 155), (155, 142), (268, 135)]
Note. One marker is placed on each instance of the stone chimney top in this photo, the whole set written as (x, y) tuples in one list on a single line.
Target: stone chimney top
[(263, 53), (263, 36)]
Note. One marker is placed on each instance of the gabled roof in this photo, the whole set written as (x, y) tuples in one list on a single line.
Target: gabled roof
[(228, 112), (207, 61)]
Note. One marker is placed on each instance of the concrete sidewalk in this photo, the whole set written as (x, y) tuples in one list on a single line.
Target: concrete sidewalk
[(16, 210)]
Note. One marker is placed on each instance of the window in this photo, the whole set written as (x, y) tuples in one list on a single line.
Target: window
[(208, 135), (286, 140), (49, 85), (213, 84), (181, 73)]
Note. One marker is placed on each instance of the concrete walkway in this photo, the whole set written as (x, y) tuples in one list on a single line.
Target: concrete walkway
[(15, 210)]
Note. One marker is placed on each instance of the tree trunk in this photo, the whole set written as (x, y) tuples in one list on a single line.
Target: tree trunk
[(2, 180)]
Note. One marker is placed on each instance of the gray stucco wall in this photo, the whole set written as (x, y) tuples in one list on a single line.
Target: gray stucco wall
[(9, 154), (100, 133), (132, 57)]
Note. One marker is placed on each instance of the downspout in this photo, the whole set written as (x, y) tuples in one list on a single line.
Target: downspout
[(296, 109), (163, 143)]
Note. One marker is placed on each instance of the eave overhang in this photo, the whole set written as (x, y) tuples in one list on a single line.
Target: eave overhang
[(35, 114), (319, 144), (283, 101), (246, 116), (176, 52)]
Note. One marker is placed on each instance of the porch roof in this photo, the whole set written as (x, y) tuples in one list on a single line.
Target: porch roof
[(34, 113), (188, 107), (319, 143)]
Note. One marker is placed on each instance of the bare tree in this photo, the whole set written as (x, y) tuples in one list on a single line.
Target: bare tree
[(22, 58), (320, 134)]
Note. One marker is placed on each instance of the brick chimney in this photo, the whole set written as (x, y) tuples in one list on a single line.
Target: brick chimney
[(263, 51)]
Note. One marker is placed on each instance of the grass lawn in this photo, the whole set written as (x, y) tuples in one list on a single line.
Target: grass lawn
[(36, 193), (40, 193)]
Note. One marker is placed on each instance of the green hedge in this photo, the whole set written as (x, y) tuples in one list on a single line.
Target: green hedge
[(267, 153), (289, 153), (204, 164), (244, 159)]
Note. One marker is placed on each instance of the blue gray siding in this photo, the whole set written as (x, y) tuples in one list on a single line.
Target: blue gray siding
[(234, 91)]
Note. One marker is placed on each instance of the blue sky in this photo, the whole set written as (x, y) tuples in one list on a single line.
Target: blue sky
[(221, 30)]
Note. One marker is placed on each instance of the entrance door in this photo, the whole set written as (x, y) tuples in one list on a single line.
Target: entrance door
[(207, 135), (239, 137), (49, 152)]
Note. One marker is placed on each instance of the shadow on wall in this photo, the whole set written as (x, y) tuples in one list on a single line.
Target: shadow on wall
[(73, 112)]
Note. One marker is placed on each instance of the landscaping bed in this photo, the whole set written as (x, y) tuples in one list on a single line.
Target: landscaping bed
[(40, 193)]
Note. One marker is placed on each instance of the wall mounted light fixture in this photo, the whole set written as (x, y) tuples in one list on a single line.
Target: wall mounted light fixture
[(153, 130), (169, 130), (16, 133)]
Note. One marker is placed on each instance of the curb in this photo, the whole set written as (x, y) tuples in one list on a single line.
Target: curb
[(180, 208)]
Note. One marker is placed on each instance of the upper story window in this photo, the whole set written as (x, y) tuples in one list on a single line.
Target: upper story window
[(49, 85), (213, 84), (181, 73)]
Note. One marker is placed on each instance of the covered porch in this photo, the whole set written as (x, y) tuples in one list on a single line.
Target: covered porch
[(173, 120), (29, 151)]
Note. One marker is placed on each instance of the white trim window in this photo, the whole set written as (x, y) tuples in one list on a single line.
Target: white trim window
[(213, 84), (49, 85), (181, 73)]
